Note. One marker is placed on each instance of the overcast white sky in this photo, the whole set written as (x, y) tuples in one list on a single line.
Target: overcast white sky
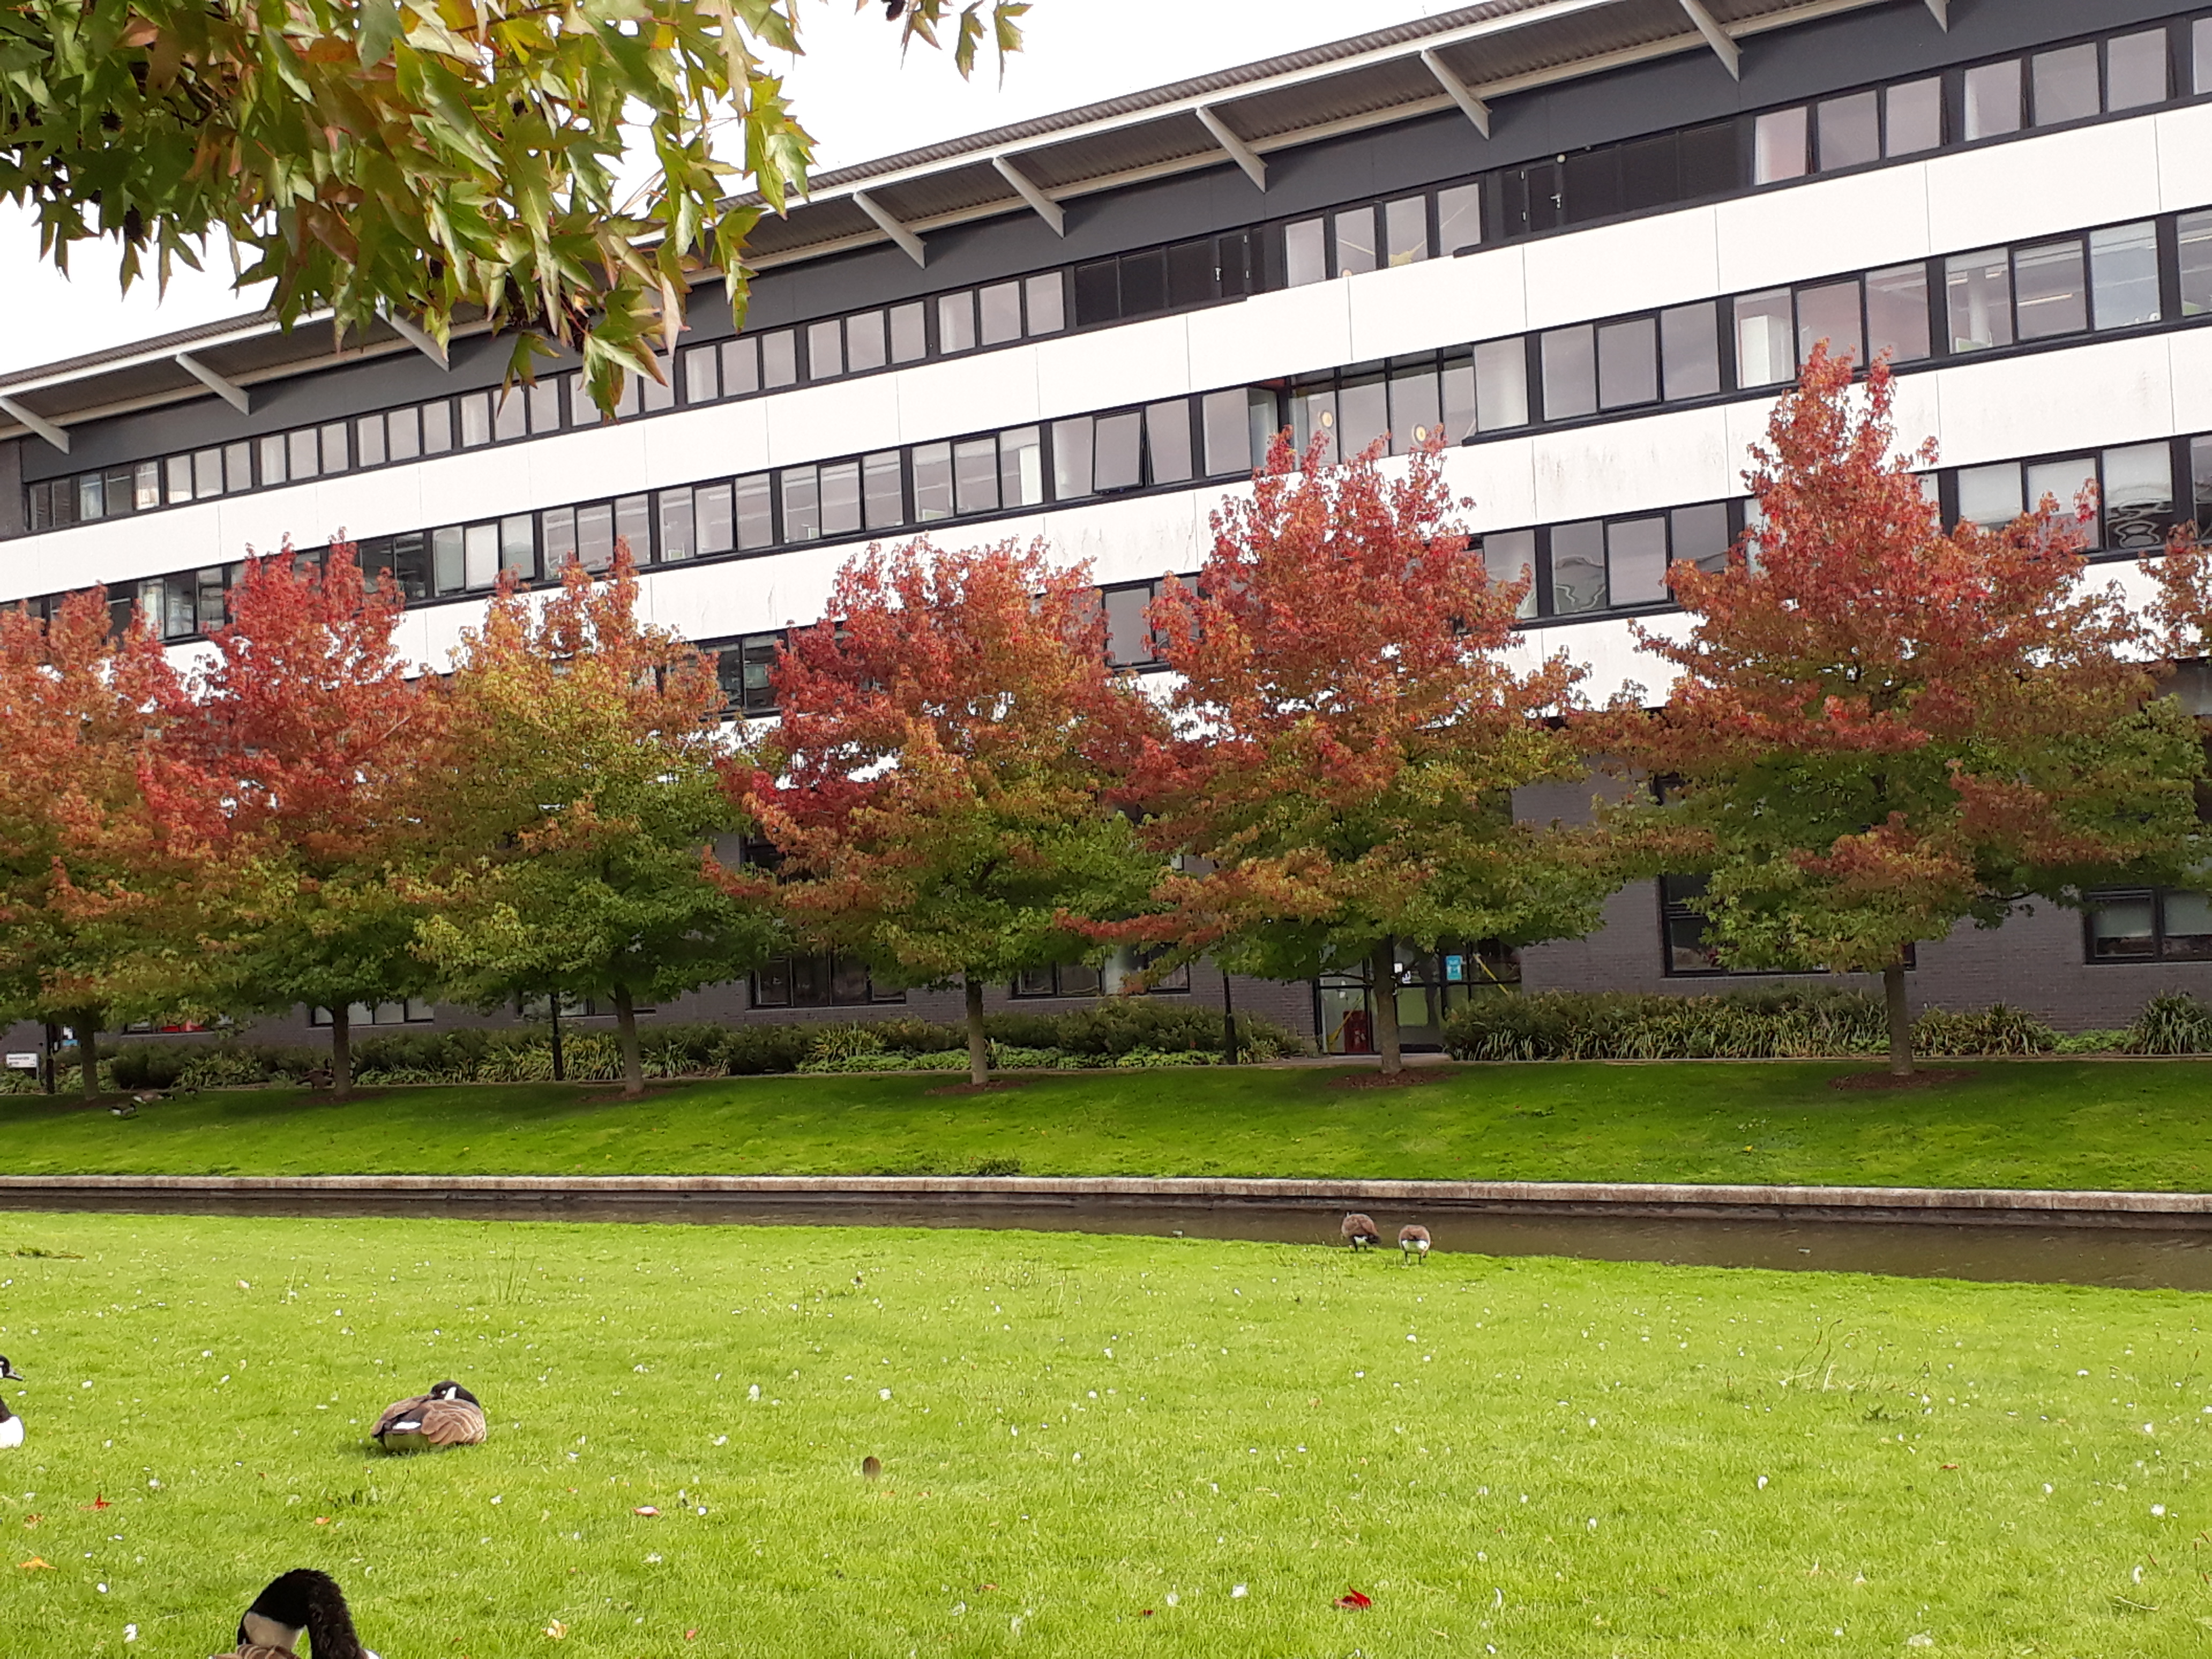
[(850, 91)]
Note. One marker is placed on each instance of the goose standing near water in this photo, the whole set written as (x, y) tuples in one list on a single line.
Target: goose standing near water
[(11, 1427), (1413, 1241), (449, 1415), (1359, 1231), (302, 1602)]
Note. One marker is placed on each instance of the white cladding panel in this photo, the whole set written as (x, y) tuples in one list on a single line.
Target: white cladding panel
[(1286, 332), (2184, 158), (1861, 220), (958, 394), (704, 443), (2112, 393), (1653, 261), (1418, 307), (1123, 364), (1632, 465), (2037, 186), (2191, 358), (481, 484)]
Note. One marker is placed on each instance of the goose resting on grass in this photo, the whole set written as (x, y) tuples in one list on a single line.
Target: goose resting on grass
[(449, 1415), (302, 1602), (11, 1427), (1359, 1231)]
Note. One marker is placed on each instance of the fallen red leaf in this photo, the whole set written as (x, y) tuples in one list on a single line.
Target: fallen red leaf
[(645, 1508), (322, 1520), (1950, 1466), (98, 1503), (1146, 1613), (690, 1635), (37, 1563), (1354, 1600)]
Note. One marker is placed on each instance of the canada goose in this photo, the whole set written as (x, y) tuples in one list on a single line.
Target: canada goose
[(1413, 1242), (449, 1415), (11, 1427), (302, 1602), (1359, 1232)]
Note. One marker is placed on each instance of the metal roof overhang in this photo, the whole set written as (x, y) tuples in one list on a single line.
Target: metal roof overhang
[(1467, 57)]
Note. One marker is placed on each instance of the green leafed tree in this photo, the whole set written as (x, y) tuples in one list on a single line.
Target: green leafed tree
[(426, 158), (574, 809), (937, 786)]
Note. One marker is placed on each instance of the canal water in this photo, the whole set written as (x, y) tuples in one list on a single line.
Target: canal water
[(2129, 1256)]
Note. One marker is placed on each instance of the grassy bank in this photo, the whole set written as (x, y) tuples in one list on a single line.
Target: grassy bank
[(1088, 1446), (2132, 1124)]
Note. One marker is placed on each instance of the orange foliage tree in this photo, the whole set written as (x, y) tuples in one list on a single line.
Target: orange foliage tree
[(938, 788), (1882, 728), (104, 839), (319, 736), (1350, 727)]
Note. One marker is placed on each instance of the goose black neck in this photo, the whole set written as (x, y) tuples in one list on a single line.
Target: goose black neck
[(304, 1597)]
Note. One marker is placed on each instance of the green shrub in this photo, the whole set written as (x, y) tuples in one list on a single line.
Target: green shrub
[(844, 1042), (146, 1066), (2173, 1024), (750, 1050), (1999, 1028), (1756, 1024), (1114, 1026), (2092, 1042)]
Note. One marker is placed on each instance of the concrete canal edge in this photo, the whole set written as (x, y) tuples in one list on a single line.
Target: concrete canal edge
[(572, 1196)]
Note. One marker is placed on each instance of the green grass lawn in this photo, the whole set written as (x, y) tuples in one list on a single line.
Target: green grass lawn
[(2133, 1124), (1090, 1446)]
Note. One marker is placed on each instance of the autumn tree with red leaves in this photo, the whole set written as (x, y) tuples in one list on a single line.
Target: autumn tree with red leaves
[(104, 842), (1882, 729), (1349, 730), (574, 809), (938, 787), (309, 720)]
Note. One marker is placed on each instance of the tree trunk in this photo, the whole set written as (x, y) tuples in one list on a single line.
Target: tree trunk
[(50, 1068), (560, 1071), (341, 1052), (87, 1053), (1384, 967), (1228, 1023), (1900, 1020), (633, 1061), (979, 1046)]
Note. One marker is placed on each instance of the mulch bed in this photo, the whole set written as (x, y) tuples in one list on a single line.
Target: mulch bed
[(1405, 1079), (1920, 1079)]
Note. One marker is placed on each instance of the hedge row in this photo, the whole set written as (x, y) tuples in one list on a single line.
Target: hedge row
[(1119, 1032), (1807, 1023)]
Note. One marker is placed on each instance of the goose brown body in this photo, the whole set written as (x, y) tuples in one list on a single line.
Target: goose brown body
[(1359, 1231), (448, 1415), (1413, 1241)]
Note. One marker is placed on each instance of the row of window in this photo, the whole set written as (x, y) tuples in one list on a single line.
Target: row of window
[(1577, 568), (2149, 924), (2135, 69), (2120, 277)]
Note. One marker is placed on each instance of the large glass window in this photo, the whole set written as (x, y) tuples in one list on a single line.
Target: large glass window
[(2136, 70), (2123, 275), (1578, 567), (2158, 924), (2138, 496), (1636, 560), (1765, 338), (1896, 312), (1830, 312), (1509, 556), (1849, 130), (1778, 147), (1569, 360), (1628, 363), (2051, 289), (1978, 289), (1690, 349), (2065, 84), (1912, 113), (1992, 95)]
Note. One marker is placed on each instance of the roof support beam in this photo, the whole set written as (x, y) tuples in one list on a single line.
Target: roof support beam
[(38, 423), (415, 337), (1047, 208), (1726, 49), (1472, 106), (229, 390), (1239, 151), (1942, 10), (891, 228)]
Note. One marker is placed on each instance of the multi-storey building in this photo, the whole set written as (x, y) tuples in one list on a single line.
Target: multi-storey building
[(1586, 239)]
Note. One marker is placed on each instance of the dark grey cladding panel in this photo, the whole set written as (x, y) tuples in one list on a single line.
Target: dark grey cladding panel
[(11, 487), (1848, 49), (326, 394)]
